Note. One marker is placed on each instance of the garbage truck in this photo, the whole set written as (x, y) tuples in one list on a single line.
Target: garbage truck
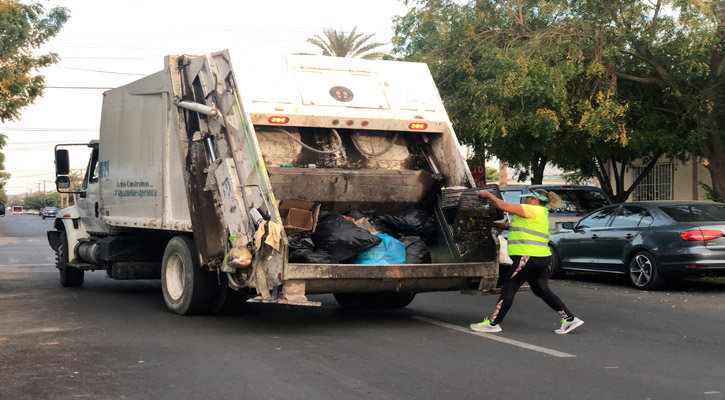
[(203, 171)]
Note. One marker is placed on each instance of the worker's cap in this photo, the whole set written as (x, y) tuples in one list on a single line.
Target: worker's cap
[(536, 195)]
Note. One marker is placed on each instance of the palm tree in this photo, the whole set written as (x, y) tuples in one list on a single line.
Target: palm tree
[(342, 44)]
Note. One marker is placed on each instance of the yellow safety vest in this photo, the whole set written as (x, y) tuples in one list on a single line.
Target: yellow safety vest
[(530, 237)]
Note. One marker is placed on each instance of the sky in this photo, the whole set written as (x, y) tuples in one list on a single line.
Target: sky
[(107, 44)]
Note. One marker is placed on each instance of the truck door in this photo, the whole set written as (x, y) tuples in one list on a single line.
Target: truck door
[(90, 200)]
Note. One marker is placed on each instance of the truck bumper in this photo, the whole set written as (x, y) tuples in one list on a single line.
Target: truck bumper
[(416, 278)]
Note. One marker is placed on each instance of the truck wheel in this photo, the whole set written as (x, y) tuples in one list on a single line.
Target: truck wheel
[(188, 289), (226, 299), (69, 276), (363, 301)]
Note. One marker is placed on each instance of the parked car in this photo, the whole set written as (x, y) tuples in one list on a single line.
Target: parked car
[(49, 212), (577, 201), (648, 241), (17, 210)]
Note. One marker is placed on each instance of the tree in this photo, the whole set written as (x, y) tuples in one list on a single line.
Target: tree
[(346, 44), (4, 176), (24, 27), (530, 83), (669, 57)]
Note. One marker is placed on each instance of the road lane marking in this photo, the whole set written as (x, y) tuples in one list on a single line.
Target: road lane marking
[(492, 336)]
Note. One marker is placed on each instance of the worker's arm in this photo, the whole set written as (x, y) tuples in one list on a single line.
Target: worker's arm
[(515, 209)]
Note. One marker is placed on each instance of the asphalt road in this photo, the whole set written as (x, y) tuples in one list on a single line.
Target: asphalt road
[(115, 340)]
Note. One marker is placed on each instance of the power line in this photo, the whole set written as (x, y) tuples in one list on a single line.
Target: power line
[(103, 72), (79, 87)]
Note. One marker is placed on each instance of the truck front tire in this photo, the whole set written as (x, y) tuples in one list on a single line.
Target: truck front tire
[(69, 276), (188, 289)]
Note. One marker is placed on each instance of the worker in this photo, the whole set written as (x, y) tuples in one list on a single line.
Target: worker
[(528, 248)]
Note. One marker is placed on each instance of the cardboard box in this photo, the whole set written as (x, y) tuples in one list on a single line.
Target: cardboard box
[(298, 215)]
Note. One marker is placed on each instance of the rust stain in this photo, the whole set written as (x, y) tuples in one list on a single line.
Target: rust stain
[(395, 271), (2, 339), (50, 343)]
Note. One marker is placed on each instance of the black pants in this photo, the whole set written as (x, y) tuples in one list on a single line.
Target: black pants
[(532, 270)]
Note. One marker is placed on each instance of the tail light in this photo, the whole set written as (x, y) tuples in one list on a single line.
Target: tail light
[(278, 120), (418, 126), (701, 235)]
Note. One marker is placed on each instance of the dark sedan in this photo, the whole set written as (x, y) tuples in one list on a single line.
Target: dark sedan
[(648, 241)]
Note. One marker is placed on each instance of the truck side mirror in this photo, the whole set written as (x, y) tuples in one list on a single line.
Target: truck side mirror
[(62, 182), (62, 162), (2, 209)]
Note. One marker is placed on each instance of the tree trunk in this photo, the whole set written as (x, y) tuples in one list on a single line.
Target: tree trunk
[(538, 164), (715, 154)]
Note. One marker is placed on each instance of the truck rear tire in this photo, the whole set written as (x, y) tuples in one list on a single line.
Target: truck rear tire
[(363, 301), (188, 289), (226, 299), (69, 276)]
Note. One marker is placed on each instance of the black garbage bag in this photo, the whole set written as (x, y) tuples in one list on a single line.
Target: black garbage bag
[(416, 251), (309, 256), (409, 223), (340, 238), (300, 241), (356, 215)]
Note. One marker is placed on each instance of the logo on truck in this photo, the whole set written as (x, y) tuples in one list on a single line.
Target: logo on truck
[(341, 93)]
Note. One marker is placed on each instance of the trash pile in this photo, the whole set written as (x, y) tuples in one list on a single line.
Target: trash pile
[(362, 238)]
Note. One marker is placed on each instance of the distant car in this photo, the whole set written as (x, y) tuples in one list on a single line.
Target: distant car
[(49, 212), (577, 201), (17, 210), (647, 241)]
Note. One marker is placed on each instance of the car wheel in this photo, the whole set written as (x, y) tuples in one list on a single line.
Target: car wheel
[(554, 269), (69, 276), (362, 301), (643, 272), (188, 289)]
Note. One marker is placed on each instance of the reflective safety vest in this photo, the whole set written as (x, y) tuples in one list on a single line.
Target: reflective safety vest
[(530, 237)]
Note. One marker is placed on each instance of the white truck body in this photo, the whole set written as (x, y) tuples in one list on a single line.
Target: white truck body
[(191, 149)]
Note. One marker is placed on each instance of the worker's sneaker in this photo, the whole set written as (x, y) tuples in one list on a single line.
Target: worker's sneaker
[(568, 326), (486, 327)]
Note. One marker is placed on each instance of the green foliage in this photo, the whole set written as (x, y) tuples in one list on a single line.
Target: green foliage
[(491, 174), (24, 27), (347, 44), (588, 86), (36, 202), (712, 194)]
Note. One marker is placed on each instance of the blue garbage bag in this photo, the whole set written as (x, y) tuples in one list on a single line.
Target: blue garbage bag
[(389, 251)]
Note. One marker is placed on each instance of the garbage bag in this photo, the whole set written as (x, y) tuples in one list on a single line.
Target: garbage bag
[(416, 251), (389, 251), (409, 223), (300, 241), (341, 238), (311, 257)]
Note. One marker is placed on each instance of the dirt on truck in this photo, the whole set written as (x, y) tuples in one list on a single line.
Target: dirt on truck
[(276, 179)]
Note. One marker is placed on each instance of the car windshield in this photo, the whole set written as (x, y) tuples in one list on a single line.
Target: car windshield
[(578, 201), (695, 212)]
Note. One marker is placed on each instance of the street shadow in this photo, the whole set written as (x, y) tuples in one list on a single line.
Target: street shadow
[(692, 285)]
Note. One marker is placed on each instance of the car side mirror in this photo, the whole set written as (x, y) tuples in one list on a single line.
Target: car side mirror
[(2, 209), (567, 225), (62, 182)]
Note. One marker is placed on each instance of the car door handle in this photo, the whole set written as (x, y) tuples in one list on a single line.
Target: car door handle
[(595, 236), (628, 236)]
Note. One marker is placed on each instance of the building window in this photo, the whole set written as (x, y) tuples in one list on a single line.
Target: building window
[(658, 184)]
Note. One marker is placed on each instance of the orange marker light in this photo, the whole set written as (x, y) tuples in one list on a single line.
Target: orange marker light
[(278, 120), (418, 126)]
